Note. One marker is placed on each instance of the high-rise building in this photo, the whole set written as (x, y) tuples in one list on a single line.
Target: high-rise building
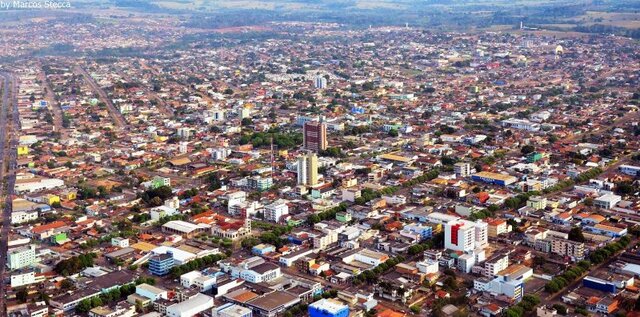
[(21, 257), (308, 169), (464, 235), (320, 82), (315, 136), (462, 169), (459, 235)]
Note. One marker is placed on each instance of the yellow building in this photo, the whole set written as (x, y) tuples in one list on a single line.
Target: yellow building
[(51, 199), (23, 150)]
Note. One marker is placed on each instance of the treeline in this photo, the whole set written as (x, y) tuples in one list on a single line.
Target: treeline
[(74, 264), (583, 177), (528, 304), (569, 275), (112, 296), (608, 29), (197, 264), (371, 276)]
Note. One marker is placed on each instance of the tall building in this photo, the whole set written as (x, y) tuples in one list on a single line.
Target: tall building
[(161, 264), (462, 169), (320, 82), (459, 235), (308, 169), (481, 233), (315, 136), (464, 235), (21, 257)]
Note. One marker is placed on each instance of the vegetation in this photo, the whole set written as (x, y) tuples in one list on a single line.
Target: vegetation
[(74, 264), (197, 264)]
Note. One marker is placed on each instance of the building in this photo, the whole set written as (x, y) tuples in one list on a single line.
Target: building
[(564, 247), (496, 264), (629, 169), (183, 228), (308, 169), (494, 178), (328, 307), (315, 136), (462, 169), (320, 82), (497, 227), (231, 310), (272, 304), (607, 201), (151, 292), (537, 202), (21, 257), (160, 264), (25, 278), (464, 235), (276, 210), (191, 307)]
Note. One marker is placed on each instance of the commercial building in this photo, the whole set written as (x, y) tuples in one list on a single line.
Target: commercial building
[(629, 169), (494, 178), (191, 307), (232, 310), (315, 136)]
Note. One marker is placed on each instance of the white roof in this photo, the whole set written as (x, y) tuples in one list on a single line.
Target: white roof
[(178, 255), (183, 226)]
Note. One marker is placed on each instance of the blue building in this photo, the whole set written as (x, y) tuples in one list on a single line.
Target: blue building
[(328, 307), (161, 264), (424, 231), (601, 285), (262, 249)]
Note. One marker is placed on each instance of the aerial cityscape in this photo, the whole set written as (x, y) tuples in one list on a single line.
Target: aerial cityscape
[(329, 158)]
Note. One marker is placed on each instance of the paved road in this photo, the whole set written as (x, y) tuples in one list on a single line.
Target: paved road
[(54, 105), (117, 117), (8, 153)]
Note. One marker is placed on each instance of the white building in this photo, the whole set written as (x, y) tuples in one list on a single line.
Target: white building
[(18, 217), (191, 307), (629, 169), (120, 242), (196, 278), (462, 169), (21, 257), (459, 235), (496, 264), (607, 201), (320, 82), (26, 278), (481, 233), (151, 292), (273, 212)]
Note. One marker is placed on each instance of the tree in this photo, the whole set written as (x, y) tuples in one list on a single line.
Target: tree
[(246, 122), (575, 234), (527, 149), (415, 309), (561, 309), (393, 133)]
